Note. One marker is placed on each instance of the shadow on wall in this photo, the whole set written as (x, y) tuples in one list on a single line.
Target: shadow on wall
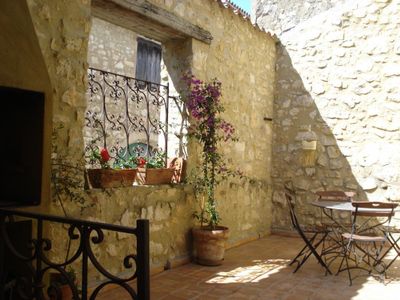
[(297, 122), (177, 55)]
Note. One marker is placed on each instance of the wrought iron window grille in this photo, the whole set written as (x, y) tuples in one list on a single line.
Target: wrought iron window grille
[(125, 115)]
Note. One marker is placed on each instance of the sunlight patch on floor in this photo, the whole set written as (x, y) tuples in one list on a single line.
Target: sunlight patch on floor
[(255, 273)]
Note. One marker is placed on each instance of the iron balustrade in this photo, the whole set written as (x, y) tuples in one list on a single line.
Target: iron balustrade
[(127, 112), (86, 233)]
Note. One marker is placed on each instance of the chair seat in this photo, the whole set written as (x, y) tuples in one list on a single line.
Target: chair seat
[(363, 238)]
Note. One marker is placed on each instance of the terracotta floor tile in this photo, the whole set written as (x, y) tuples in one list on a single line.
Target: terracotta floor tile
[(259, 270)]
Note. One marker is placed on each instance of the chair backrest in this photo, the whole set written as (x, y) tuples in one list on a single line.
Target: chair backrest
[(290, 200), (337, 196), (374, 208)]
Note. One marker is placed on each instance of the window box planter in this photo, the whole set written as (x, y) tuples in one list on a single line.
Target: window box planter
[(154, 176), (111, 178)]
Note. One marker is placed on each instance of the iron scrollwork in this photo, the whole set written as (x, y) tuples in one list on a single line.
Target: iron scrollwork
[(86, 234), (124, 111)]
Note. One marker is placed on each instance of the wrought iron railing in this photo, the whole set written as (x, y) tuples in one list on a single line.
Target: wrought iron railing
[(126, 115), (37, 259)]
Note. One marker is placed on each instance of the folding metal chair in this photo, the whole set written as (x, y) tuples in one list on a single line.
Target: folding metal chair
[(362, 247), (312, 237), (333, 242)]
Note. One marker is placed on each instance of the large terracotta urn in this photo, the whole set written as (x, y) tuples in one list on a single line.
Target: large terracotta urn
[(209, 245)]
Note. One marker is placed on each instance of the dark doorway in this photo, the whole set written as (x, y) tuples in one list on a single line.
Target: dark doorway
[(21, 150)]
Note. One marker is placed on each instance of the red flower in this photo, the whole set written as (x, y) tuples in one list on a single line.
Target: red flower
[(141, 162), (105, 156)]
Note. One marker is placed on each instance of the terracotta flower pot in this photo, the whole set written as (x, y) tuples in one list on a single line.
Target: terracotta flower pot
[(209, 245), (154, 176), (111, 178)]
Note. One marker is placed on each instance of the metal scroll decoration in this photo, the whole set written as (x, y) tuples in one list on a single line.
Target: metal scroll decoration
[(86, 234), (124, 111)]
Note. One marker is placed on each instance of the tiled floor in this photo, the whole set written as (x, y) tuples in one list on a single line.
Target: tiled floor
[(259, 270)]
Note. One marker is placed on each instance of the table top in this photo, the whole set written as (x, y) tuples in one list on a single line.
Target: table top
[(335, 205), (344, 206)]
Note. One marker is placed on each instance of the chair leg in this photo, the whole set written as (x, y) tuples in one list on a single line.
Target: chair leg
[(340, 266), (348, 268), (305, 252), (393, 245), (344, 254), (308, 249), (298, 255), (312, 248), (332, 250), (346, 250)]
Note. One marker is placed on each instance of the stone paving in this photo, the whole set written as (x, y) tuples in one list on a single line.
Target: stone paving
[(259, 270)]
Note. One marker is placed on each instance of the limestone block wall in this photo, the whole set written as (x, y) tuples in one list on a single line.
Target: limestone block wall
[(338, 72), (241, 56), (112, 48), (168, 210), (243, 59), (280, 16), (62, 29)]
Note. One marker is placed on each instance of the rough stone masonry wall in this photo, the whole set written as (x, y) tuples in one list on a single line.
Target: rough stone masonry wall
[(234, 57), (242, 58), (112, 48), (63, 31), (339, 72), (282, 15)]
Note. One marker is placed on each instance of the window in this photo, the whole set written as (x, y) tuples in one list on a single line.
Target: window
[(148, 62)]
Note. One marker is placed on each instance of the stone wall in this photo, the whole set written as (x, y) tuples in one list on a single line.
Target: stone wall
[(168, 210), (241, 56), (62, 29), (112, 48), (280, 16), (338, 72)]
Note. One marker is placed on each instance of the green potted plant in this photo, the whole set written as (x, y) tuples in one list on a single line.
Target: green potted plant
[(123, 172), (204, 106)]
